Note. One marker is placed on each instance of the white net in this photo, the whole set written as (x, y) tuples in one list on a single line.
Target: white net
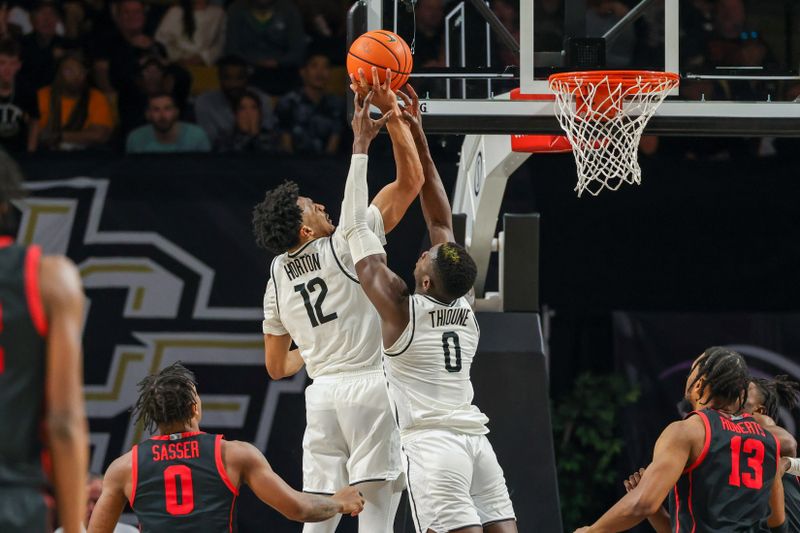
[(604, 116)]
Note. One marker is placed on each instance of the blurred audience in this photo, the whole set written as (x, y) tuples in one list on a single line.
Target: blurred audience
[(10, 20), (326, 27), (214, 110), (19, 110), (73, 115), (269, 35), (311, 121), (43, 47), (152, 78), (119, 50), (601, 16), (249, 134), (193, 32), (165, 133), (94, 488), (429, 45)]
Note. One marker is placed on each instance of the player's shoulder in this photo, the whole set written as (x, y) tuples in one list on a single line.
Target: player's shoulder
[(119, 471), (59, 277), (690, 428)]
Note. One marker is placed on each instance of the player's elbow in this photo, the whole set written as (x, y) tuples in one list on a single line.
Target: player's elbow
[(789, 446), (645, 505), (66, 425), (275, 370)]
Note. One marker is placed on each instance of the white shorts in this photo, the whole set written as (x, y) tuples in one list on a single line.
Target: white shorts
[(351, 436), (454, 481)]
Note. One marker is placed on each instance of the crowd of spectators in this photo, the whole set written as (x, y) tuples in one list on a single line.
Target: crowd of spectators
[(268, 75), (186, 75)]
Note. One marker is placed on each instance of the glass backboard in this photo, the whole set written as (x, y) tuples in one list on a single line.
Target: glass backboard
[(739, 60)]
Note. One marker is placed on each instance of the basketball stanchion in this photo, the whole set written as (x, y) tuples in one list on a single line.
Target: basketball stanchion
[(538, 144)]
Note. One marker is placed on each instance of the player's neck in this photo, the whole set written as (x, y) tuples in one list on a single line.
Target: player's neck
[(300, 244), (178, 428)]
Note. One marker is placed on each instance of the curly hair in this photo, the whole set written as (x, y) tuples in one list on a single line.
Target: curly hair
[(455, 269), (778, 392), (277, 220), (724, 373), (166, 397)]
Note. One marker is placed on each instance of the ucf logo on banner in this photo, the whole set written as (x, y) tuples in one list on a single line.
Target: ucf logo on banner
[(149, 305)]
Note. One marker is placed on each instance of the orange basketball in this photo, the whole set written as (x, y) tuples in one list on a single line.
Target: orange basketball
[(382, 49)]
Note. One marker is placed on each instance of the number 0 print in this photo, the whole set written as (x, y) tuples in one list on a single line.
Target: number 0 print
[(171, 477), (754, 451), (448, 362)]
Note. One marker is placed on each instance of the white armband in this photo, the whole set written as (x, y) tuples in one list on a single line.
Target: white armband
[(794, 466), (356, 194)]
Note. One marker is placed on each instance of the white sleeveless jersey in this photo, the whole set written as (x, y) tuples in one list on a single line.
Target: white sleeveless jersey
[(313, 294), (428, 368)]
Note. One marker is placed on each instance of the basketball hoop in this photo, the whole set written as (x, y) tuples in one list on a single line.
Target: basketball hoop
[(604, 114)]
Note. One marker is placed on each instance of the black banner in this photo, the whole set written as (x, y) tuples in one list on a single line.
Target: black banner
[(655, 352), (165, 250)]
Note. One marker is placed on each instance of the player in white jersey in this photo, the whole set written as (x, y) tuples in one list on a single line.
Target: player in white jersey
[(454, 480), (313, 298)]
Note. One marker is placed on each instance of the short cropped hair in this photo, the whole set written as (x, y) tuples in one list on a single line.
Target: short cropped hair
[(455, 269)]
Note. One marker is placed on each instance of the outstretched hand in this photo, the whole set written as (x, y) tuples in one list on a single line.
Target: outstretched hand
[(384, 97), (365, 128), (411, 112), (634, 479)]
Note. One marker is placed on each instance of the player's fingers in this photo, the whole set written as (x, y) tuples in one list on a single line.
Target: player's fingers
[(368, 100), (362, 77), (412, 92), (627, 484), (384, 119), (408, 117), (356, 102), (641, 471), (388, 81), (376, 84), (405, 98)]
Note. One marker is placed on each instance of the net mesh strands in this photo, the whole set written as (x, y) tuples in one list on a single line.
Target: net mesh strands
[(604, 115)]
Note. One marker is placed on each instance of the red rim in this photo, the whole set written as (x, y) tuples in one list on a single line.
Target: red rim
[(626, 78)]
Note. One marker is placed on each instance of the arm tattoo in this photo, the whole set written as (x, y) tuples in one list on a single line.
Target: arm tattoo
[(322, 508)]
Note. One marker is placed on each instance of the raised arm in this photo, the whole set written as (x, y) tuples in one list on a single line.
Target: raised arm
[(62, 296), (394, 199), (435, 204), (116, 489), (249, 466), (670, 457), (386, 291)]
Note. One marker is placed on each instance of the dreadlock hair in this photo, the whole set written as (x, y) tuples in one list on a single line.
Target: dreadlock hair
[(724, 373), (776, 393), (166, 397), (277, 220), (455, 269)]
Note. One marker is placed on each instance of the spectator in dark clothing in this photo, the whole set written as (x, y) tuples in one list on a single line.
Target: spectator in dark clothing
[(214, 110), (42, 48), (269, 35), (153, 78), (310, 120), (19, 110), (325, 24), (429, 48), (118, 54), (250, 135)]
